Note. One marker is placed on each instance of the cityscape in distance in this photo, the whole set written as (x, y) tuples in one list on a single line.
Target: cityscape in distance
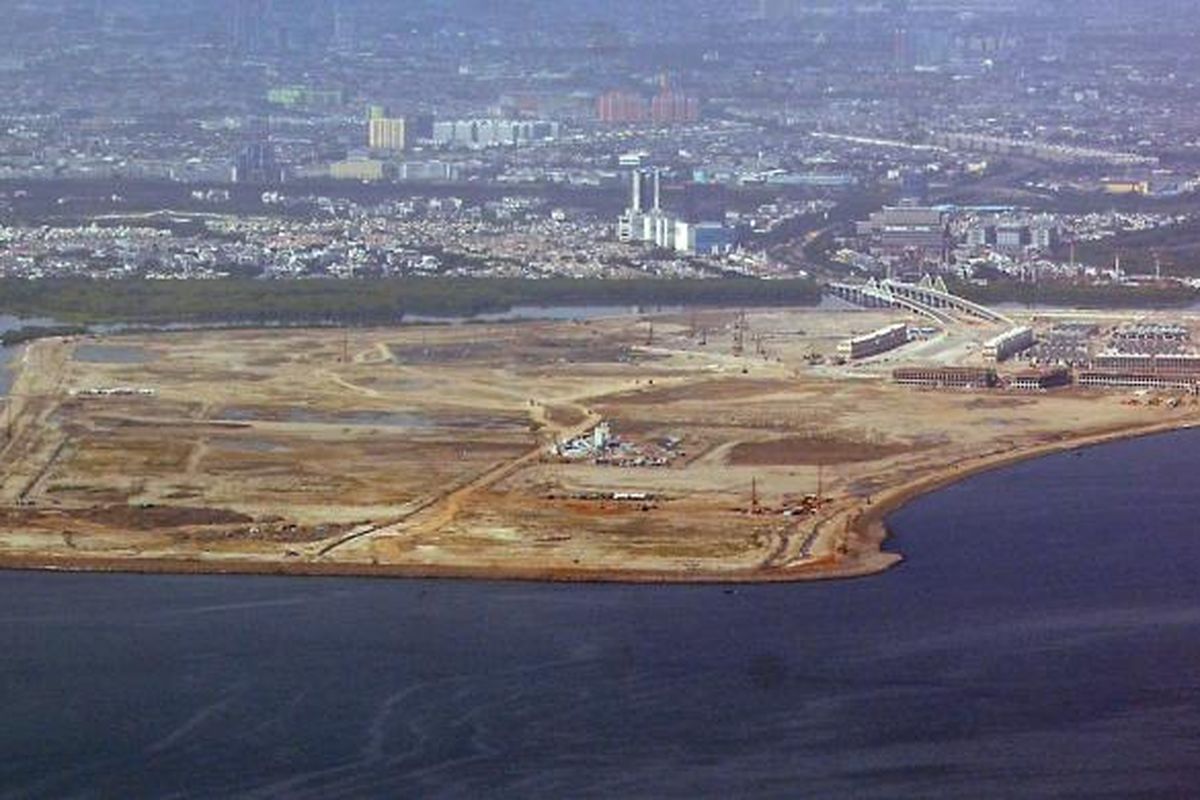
[(245, 138), (730, 398)]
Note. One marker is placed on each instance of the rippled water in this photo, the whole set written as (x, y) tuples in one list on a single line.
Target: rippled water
[(1041, 640)]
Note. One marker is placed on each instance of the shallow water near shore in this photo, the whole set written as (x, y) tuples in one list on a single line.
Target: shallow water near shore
[(8, 358), (1041, 639)]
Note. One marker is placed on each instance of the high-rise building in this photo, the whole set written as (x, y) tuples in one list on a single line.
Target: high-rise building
[(670, 107), (646, 191), (386, 133), (902, 55), (345, 27), (255, 163), (418, 127), (248, 26), (618, 107)]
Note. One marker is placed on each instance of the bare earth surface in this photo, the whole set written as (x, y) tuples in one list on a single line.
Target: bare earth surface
[(428, 450)]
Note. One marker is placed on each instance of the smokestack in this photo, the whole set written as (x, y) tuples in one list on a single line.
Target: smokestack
[(637, 190), (657, 190)]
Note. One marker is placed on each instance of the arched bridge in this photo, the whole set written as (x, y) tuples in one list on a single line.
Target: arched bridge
[(929, 298)]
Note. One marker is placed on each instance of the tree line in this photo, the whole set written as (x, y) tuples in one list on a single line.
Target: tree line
[(1076, 295), (83, 301)]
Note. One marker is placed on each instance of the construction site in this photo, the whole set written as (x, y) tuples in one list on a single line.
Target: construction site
[(711, 445)]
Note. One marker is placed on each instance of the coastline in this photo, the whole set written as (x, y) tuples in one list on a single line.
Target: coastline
[(867, 523), (857, 528)]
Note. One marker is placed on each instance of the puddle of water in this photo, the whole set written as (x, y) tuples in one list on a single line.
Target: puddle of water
[(253, 446), (111, 354), (390, 419)]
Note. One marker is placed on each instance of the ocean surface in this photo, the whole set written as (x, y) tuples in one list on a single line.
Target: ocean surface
[(1041, 640)]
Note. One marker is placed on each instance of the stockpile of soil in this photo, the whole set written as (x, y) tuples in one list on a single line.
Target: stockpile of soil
[(798, 450)]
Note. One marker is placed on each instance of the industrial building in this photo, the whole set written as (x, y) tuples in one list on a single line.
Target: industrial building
[(1008, 344), (640, 222), (876, 342), (901, 229), (946, 377), (646, 221), (704, 238)]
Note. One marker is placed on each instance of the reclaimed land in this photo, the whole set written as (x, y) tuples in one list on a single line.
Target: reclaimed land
[(429, 451)]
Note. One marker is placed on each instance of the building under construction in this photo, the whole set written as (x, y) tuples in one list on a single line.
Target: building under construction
[(1150, 363), (946, 377), (1039, 380), (1008, 344), (1066, 344), (1150, 338), (876, 342), (1139, 380)]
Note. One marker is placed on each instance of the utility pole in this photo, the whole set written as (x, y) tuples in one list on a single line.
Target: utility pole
[(754, 495), (739, 334)]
